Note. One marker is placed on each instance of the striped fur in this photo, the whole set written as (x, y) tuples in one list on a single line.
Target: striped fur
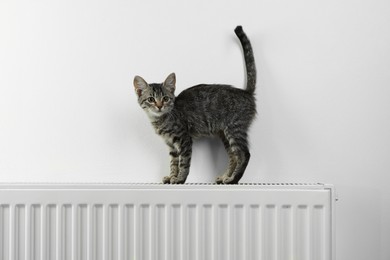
[(203, 110)]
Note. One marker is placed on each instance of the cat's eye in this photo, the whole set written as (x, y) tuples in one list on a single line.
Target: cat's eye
[(166, 99), (151, 99)]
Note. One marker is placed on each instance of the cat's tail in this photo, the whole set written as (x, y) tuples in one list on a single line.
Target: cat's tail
[(249, 60)]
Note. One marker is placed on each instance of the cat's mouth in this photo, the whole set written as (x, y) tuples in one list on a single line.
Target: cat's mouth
[(156, 112)]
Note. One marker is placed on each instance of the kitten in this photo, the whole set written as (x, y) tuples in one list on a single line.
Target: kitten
[(202, 110)]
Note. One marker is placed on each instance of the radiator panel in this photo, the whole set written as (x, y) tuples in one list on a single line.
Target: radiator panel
[(150, 222)]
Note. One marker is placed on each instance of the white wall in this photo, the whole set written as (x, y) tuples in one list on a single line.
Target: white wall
[(68, 111)]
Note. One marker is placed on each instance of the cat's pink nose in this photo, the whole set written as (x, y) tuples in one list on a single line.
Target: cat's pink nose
[(159, 105)]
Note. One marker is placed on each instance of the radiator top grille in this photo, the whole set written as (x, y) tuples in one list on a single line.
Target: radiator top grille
[(143, 185)]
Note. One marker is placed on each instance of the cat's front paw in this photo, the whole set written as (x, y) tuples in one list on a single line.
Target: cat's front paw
[(219, 179), (229, 180), (176, 180), (166, 179)]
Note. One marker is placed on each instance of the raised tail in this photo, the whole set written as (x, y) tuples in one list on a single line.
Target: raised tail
[(249, 59)]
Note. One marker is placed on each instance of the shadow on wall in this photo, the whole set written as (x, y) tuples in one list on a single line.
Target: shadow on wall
[(209, 160)]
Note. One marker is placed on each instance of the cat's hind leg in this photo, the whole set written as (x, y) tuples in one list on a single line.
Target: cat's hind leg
[(232, 160), (240, 152)]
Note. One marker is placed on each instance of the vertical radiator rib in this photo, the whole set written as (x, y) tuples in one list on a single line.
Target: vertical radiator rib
[(166, 222)]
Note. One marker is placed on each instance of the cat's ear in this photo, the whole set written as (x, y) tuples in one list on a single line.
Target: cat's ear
[(139, 85), (170, 82)]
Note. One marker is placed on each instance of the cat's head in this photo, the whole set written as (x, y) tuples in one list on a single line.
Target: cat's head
[(156, 99)]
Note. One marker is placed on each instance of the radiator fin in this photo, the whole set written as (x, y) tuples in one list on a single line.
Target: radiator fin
[(35, 237), (285, 232), (222, 233), (4, 232), (129, 224), (255, 239)]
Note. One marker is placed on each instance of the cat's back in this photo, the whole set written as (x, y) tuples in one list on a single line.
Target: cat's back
[(215, 98)]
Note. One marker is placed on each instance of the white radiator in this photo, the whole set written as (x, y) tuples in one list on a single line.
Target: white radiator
[(167, 222)]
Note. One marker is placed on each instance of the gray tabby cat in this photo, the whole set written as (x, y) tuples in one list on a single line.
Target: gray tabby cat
[(202, 110)]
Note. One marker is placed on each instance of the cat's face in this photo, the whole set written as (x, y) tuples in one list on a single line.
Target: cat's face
[(156, 99)]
